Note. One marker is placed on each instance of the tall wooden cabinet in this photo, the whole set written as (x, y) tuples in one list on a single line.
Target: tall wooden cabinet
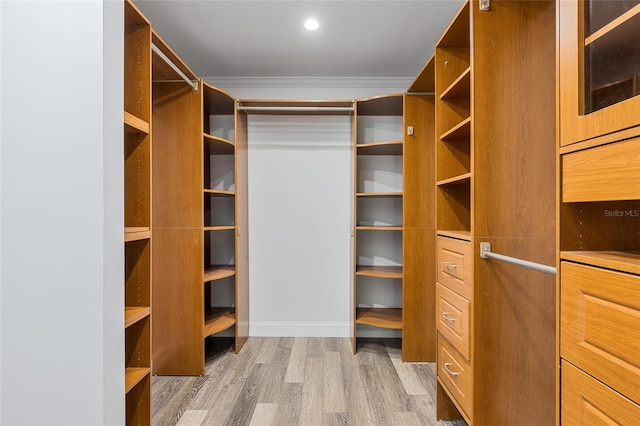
[(599, 212), (137, 215), (394, 221), (495, 174)]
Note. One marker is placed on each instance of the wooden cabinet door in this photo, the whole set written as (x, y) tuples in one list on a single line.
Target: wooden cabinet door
[(599, 68)]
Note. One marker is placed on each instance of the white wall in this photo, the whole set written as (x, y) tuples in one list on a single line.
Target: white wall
[(300, 200), (61, 213)]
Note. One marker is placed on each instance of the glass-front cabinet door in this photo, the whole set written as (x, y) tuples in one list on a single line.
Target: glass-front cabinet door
[(599, 67)]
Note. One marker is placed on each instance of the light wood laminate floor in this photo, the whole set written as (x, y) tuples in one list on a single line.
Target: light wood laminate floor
[(300, 381)]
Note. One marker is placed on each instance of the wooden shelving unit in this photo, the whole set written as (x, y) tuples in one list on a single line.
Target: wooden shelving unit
[(495, 183), (137, 215), (598, 211), (378, 206), (225, 217)]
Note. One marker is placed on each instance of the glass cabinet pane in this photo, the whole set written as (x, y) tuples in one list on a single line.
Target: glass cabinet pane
[(611, 52)]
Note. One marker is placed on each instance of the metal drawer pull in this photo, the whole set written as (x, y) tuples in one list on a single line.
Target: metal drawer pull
[(446, 367), (446, 316), (450, 265)]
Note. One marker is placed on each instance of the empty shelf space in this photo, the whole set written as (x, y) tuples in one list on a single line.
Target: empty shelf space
[(219, 228), (459, 131), (456, 180), (459, 235), (616, 260), (219, 192), (218, 272), (133, 376), (134, 314), (380, 317), (219, 319), (379, 194), (136, 233), (460, 88), (134, 124), (380, 271), (378, 228), (380, 148)]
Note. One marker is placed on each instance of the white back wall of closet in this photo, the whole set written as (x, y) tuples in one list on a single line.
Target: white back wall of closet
[(300, 220)]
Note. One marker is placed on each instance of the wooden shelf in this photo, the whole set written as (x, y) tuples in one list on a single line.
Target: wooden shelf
[(630, 14), (458, 32), (136, 233), (380, 148), (616, 260), (219, 320), (379, 194), (460, 130), (456, 180), (218, 146), (426, 79), (219, 192), (378, 228), (134, 314), (134, 124), (380, 317), (460, 88), (219, 272), (459, 235), (133, 376), (394, 272), (219, 228)]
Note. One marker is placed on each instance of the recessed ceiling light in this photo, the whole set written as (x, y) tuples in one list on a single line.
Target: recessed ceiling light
[(311, 24)]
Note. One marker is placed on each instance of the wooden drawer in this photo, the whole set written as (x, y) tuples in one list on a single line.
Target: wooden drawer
[(586, 401), (452, 319), (455, 374), (604, 173), (454, 265), (600, 325)]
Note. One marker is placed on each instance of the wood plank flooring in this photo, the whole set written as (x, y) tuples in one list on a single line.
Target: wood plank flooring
[(300, 381)]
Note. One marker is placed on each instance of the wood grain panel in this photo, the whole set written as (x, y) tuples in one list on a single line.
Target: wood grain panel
[(138, 403), (137, 349), (419, 163), (177, 156), (605, 173), (585, 401), (418, 295), (242, 238), (514, 334), (600, 323), (137, 62), (178, 317), (137, 274), (426, 79)]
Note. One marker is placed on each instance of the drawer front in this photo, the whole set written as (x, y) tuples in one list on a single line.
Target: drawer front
[(454, 265), (452, 319), (605, 173), (600, 325), (586, 401), (455, 374)]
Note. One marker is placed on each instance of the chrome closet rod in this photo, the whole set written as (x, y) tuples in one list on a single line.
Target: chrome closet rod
[(486, 253), (173, 66), (292, 108)]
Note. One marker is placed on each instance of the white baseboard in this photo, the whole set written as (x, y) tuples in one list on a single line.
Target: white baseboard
[(299, 329)]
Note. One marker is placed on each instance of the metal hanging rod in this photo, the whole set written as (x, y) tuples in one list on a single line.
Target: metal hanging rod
[(421, 93), (174, 67), (294, 108), (486, 253)]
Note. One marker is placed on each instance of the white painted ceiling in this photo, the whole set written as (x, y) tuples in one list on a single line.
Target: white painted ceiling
[(265, 38)]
